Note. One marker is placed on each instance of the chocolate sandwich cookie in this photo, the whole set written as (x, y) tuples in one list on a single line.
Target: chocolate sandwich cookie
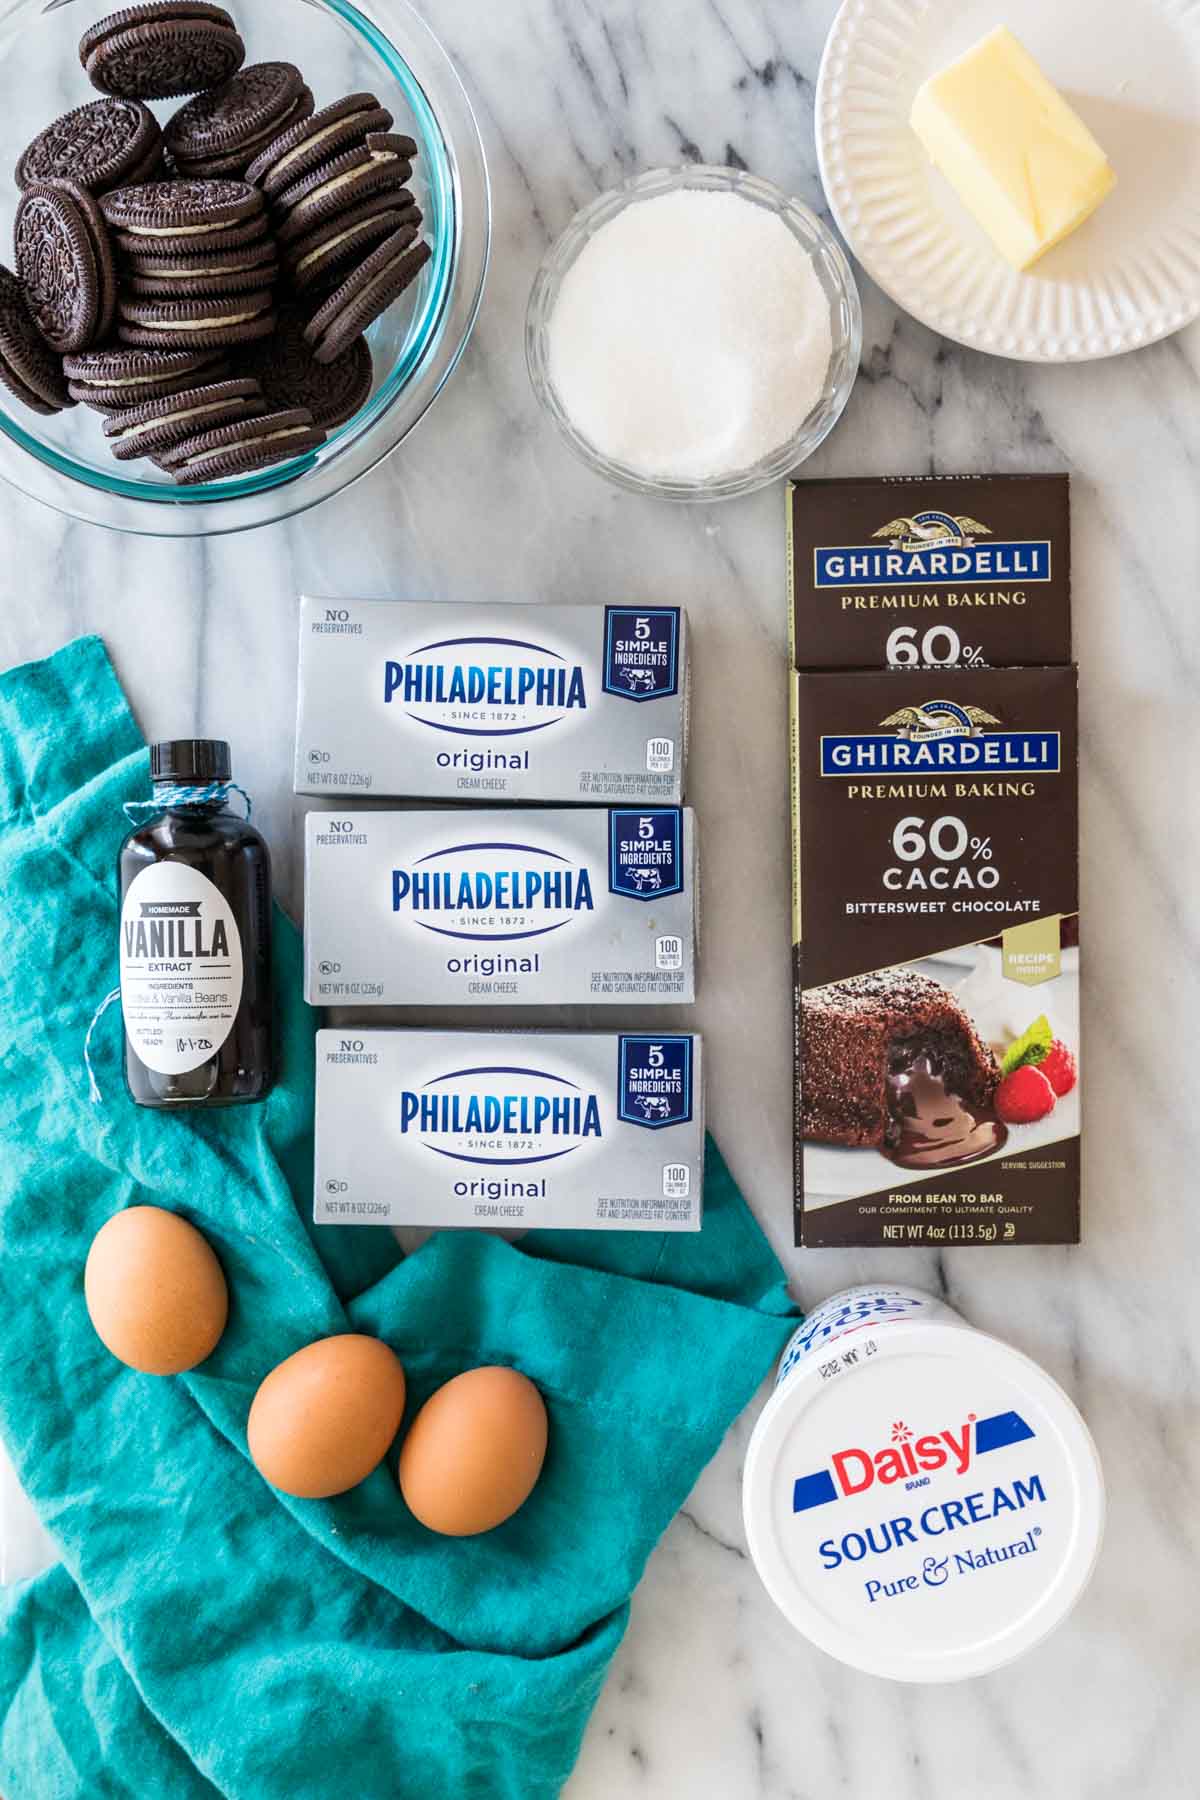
[(243, 448), (183, 276), (65, 262), (290, 375), (222, 132), (381, 165), (312, 262), (217, 324), (162, 49), (156, 426), (105, 144), (28, 370), (365, 294), (167, 218), (113, 380), (337, 128)]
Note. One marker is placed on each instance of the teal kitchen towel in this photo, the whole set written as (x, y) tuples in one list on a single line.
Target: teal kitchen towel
[(203, 1635)]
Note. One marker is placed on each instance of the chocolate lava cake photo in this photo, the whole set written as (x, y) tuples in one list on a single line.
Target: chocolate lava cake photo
[(870, 1043)]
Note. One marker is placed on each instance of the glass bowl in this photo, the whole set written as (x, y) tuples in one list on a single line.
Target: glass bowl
[(832, 270), (383, 46)]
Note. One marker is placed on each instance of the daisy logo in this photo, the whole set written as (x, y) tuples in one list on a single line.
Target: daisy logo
[(906, 1457)]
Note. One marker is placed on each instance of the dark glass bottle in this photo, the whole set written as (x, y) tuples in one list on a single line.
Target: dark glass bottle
[(195, 943)]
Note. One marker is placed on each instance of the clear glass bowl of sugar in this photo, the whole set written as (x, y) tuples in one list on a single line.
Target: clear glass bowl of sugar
[(689, 350)]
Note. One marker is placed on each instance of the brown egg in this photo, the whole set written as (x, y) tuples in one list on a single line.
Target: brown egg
[(474, 1452), (324, 1418), (155, 1291)]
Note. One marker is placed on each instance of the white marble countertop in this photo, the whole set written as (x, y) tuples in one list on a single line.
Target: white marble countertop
[(712, 1694)]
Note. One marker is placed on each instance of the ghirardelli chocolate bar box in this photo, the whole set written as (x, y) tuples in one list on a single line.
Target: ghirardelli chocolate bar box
[(936, 941), (934, 571)]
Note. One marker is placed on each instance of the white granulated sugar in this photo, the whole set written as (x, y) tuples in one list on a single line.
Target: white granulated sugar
[(691, 337)]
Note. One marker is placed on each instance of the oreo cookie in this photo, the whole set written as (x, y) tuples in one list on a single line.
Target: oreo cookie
[(290, 375), (27, 368), (243, 448), (223, 131), (163, 49), (113, 380), (167, 218), (104, 144), (65, 263), (365, 294), (313, 262), (156, 426), (202, 324), (381, 165), (183, 276), (328, 133)]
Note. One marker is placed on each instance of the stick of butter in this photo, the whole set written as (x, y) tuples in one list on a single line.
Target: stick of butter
[(1014, 152)]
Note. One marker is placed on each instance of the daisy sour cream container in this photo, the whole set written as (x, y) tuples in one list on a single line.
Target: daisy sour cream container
[(920, 1500)]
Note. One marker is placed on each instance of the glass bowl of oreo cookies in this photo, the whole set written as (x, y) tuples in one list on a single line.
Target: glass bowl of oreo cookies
[(247, 250)]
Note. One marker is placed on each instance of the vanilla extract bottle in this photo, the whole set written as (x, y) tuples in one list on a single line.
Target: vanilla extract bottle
[(195, 938)]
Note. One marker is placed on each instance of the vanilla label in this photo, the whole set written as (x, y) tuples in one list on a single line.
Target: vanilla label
[(181, 967)]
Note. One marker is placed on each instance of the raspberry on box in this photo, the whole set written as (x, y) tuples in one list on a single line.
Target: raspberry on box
[(1060, 1068), (1024, 1096)]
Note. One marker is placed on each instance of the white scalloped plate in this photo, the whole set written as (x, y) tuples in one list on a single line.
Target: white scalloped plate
[(1129, 276)]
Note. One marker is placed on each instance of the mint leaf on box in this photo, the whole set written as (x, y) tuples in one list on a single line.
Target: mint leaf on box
[(1033, 1046)]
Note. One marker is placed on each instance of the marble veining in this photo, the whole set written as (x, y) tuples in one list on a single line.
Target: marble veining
[(712, 1694)]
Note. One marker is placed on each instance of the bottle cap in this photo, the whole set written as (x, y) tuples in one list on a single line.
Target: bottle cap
[(191, 762)]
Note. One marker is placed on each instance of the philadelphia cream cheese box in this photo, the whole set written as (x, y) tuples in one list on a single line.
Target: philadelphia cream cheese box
[(509, 1129), (921, 1500), (468, 702), (533, 906)]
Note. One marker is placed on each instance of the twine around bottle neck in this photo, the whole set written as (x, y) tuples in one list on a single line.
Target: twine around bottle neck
[(170, 796)]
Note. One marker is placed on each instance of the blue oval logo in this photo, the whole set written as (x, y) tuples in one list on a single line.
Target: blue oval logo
[(501, 1114), (492, 891), (485, 686)]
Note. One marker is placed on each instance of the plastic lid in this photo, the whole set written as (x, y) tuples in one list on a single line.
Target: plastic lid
[(191, 761), (925, 1504)]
